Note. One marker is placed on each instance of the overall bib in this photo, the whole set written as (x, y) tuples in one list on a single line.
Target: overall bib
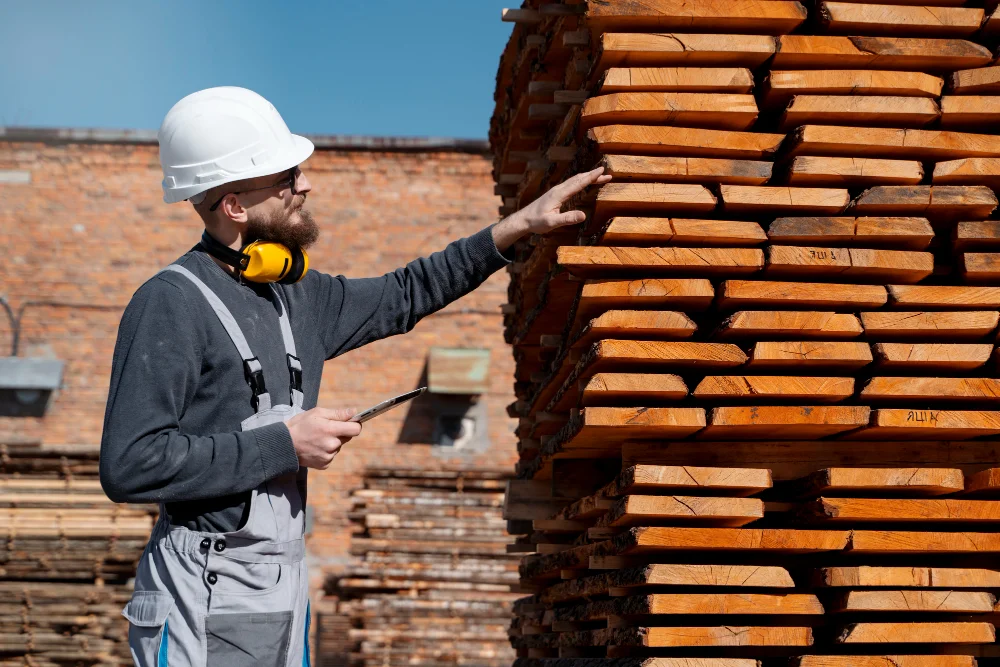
[(238, 598)]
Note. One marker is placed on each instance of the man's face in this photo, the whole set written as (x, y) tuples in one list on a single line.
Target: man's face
[(275, 214)]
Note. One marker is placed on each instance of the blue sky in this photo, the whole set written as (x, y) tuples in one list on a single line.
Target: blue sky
[(391, 68)]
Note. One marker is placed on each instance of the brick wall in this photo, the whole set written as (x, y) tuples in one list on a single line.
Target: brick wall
[(90, 227)]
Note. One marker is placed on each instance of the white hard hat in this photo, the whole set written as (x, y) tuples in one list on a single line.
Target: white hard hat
[(221, 135)]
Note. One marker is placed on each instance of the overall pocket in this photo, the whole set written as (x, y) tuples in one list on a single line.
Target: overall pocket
[(259, 639), (147, 613)]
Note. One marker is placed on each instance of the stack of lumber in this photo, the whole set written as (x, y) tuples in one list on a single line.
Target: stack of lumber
[(68, 554), (758, 394), (430, 578)]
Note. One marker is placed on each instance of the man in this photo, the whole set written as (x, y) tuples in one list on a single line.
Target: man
[(211, 409)]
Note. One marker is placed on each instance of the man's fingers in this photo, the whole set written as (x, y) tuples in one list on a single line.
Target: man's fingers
[(581, 181), (568, 218)]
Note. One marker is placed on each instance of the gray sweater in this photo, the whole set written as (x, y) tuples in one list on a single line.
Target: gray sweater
[(178, 394)]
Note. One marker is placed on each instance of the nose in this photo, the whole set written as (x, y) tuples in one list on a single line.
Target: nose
[(302, 184)]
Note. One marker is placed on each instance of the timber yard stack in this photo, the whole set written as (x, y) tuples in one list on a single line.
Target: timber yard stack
[(67, 557), (431, 584), (758, 394)]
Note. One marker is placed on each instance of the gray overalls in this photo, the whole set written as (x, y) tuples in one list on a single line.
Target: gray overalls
[(239, 598)]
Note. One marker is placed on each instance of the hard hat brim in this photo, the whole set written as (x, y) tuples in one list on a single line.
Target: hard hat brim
[(300, 151)]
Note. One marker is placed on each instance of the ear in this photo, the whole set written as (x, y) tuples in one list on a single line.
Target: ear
[(232, 209)]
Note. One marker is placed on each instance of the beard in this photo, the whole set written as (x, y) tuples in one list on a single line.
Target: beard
[(276, 227)]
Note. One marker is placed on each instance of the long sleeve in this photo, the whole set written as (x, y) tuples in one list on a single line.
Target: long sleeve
[(353, 312), (145, 455)]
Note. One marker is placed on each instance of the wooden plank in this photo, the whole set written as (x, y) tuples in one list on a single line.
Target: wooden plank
[(726, 111), (886, 143), (622, 49), (967, 602), (625, 231), (624, 582), (888, 542), (785, 355), (647, 541), (607, 261), (980, 266), (604, 428), (944, 296), (968, 171), (704, 636), (852, 172), (809, 388), (905, 233), (780, 86), (757, 199), (628, 198), (635, 324), (704, 603), (651, 479), (848, 18), (943, 201), (978, 81), (934, 325), (689, 294), (761, 293), (943, 510), (970, 111), (898, 266), (865, 110), (685, 142), (783, 422), (983, 483), (867, 576), (631, 389), (918, 633), (653, 510), (678, 80), (737, 16), (976, 235), (686, 169), (771, 324), (926, 357), (885, 661), (884, 53), (931, 389), (915, 481)]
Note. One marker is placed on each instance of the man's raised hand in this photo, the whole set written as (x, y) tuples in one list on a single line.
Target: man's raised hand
[(318, 435), (545, 213)]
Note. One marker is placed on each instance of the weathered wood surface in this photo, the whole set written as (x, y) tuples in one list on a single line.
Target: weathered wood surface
[(929, 325), (917, 481), (883, 53), (794, 324), (942, 201), (849, 18), (679, 80), (851, 172), (865, 111), (976, 235), (783, 422), (757, 387), (780, 86), (787, 355), (686, 169), (681, 232), (980, 266), (605, 261), (760, 293), (760, 199), (975, 81), (867, 576), (687, 142), (724, 111)]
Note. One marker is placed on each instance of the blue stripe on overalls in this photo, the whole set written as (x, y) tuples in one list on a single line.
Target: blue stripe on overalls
[(161, 659)]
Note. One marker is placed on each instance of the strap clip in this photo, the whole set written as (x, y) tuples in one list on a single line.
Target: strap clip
[(294, 372), (254, 374)]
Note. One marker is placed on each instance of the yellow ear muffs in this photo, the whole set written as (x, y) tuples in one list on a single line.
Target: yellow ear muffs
[(274, 263)]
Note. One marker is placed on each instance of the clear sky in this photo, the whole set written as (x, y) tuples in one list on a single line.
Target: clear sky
[(387, 68)]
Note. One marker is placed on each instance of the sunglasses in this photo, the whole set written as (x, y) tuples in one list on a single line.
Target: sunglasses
[(287, 182)]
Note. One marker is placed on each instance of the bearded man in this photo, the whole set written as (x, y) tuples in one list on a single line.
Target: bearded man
[(212, 406)]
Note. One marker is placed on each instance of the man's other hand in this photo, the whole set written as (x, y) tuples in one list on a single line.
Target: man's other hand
[(545, 213), (318, 435)]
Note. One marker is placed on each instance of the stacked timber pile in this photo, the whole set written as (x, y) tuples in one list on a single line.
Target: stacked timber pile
[(431, 581), (68, 554), (758, 388)]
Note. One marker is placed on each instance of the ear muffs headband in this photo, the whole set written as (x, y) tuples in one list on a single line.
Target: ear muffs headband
[(261, 261)]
